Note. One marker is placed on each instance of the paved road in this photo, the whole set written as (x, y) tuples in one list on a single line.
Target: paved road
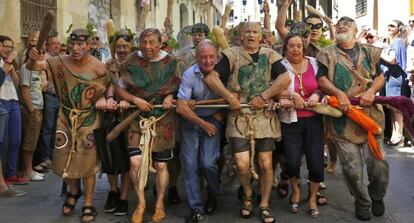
[(43, 204)]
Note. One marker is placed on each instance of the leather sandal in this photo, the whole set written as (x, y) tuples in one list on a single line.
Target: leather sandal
[(89, 211), (321, 200), (294, 207), (265, 214), (138, 215), (314, 213), (68, 205), (159, 215), (246, 207)]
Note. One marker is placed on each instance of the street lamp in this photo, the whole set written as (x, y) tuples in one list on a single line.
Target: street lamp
[(244, 2)]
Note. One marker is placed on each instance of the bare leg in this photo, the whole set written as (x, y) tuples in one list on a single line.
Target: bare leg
[(161, 181), (397, 127), (294, 183), (3, 186), (242, 160), (266, 177), (89, 187), (314, 187), (125, 181), (74, 190), (28, 161), (113, 182), (135, 162)]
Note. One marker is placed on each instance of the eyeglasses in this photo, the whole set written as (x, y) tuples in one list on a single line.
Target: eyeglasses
[(391, 26), (8, 47), (75, 37), (369, 37), (95, 38), (315, 26)]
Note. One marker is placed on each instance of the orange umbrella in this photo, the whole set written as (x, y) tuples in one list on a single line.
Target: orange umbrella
[(365, 122)]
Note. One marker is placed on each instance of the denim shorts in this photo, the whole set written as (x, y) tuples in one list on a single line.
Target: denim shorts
[(393, 86)]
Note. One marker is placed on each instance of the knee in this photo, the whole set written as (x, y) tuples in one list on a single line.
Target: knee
[(266, 165), (207, 165), (243, 168), (134, 162), (160, 167)]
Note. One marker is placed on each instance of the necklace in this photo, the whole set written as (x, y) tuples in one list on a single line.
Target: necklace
[(299, 76)]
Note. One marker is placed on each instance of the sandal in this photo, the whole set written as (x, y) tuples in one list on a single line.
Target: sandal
[(138, 215), (282, 190), (69, 205), (314, 213), (294, 207), (89, 211), (246, 207), (159, 215), (266, 214), (321, 200)]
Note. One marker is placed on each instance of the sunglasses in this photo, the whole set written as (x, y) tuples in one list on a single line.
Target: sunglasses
[(315, 26), (95, 38), (391, 26), (369, 37), (75, 37)]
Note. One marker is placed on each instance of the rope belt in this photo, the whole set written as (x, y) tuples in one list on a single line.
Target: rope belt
[(73, 118), (146, 142), (250, 134)]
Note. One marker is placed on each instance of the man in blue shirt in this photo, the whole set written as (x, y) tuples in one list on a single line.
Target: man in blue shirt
[(200, 133)]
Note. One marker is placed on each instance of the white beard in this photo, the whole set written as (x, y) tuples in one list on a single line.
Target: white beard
[(344, 37)]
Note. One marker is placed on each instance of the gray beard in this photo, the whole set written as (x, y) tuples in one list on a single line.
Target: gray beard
[(344, 37)]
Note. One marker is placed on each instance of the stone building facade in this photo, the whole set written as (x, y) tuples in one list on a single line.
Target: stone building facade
[(21, 17)]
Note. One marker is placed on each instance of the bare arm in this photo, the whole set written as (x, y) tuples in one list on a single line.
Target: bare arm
[(36, 61), (328, 87), (266, 21), (389, 58), (281, 19), (279, 85), (368, 97), (26, 98), (14, 76), (214, 83), (331, 29), (187, 113), (139, 102)]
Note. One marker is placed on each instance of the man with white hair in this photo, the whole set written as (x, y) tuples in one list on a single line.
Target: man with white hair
[(200, 132), (349, 69)]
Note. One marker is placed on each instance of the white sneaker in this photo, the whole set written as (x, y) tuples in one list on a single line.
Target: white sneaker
[(37, 173), (36, 177)]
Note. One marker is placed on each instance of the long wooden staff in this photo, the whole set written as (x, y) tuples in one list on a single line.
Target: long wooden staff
[(44, 32), (312, 10), (110, 31), (226, 15)]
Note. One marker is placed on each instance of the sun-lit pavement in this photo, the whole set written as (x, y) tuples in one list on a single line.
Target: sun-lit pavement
[(43, 204)]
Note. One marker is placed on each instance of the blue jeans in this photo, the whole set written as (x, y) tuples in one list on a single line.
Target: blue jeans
[(3, 121), (47, 134), (199, 153), (14, 135)]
